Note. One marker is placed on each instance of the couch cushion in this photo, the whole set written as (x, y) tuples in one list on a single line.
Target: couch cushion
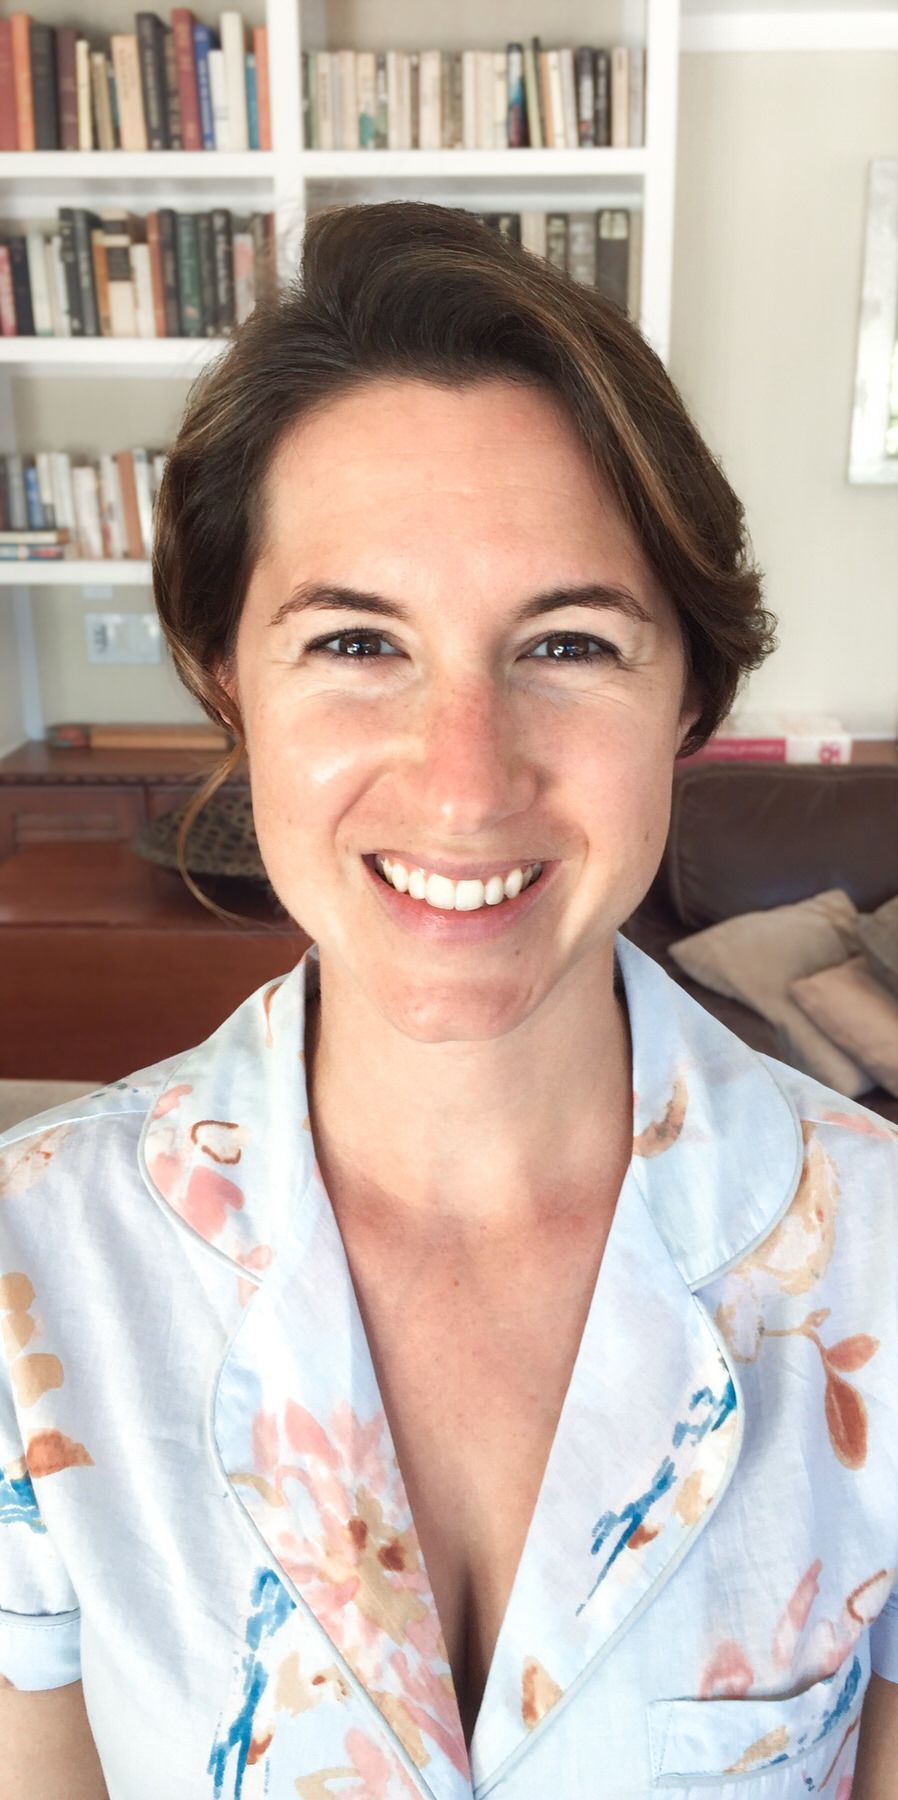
[(852, 1008), (754, 958), (745, 837), (879, 942)]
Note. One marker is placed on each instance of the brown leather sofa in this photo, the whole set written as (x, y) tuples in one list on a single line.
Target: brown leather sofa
[(746, 836)]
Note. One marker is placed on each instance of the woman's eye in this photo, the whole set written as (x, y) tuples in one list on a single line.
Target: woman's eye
[(322, 646)]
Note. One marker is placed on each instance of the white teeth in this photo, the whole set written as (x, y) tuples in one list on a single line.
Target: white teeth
[(456, 896)]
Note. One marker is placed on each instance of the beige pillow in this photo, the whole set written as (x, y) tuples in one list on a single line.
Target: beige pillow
[(878, 937), (857, 1012), (754, 957)]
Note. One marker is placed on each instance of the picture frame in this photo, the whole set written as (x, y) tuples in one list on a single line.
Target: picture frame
[(873, 452)]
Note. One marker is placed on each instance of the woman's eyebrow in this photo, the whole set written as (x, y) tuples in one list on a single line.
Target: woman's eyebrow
[(311, 595)]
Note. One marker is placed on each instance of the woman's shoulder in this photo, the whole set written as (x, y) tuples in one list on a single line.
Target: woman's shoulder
[(104, 1119), (845, 1123)]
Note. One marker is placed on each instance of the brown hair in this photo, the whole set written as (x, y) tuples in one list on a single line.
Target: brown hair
[(410, 289)]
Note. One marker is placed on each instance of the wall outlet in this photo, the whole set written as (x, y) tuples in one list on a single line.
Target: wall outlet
[(123, 637)]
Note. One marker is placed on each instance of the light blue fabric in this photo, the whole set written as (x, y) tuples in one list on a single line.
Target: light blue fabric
[(198, 1479)]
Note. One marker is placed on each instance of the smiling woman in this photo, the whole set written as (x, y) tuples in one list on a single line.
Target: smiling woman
[(449, 1439)]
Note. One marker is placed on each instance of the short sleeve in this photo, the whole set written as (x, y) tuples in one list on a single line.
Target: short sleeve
[(40, 1622), (884, 1640)]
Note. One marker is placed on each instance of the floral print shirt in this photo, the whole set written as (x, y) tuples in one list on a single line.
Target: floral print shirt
[(202, 1514)]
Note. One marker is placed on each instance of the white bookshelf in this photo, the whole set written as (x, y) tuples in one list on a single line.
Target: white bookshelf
[(290, 181)]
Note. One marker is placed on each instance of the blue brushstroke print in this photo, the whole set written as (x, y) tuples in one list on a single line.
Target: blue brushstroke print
[(717, 1408), (18, 1502), (272, 1606)]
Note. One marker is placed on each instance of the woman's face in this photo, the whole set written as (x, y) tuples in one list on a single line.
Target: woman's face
[(454, 731)]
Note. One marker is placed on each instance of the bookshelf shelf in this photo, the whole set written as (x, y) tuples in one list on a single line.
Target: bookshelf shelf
[(18, 166), (473, 165), (75, 574), (152, 356)]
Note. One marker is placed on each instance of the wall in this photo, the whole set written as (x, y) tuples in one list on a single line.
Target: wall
[(771, 190)]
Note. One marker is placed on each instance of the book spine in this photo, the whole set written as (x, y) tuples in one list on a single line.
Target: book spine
[(223, 248), (68, 294), (349, 115), (66, 86), (128, 91), (156, 279), (133, 536), (430, 98), (613, 254), (636, 96), (203, 41), (620, 96), (603, 99), (85, 265), (244, 274), (517, 110), (45, 489), (20, 23), (569, 97), (141, 466), (7, 295), (9, 135), (102, 104), (185, 67), (218, 89), (111, 509), (208, 289), (18, 504), (151, 62), (18, 252), (366, 73), (582, 247), (38, 283), (188, 259), (584, 73), (252, 101), (381, 103), (233, 49), (556, 100), (173, 126), (142, 287), (500, 99), (33, 502), (531, 88), (32, 552), (168, 244), (557, 240), (43, 86), (263, 85), (62, 324)]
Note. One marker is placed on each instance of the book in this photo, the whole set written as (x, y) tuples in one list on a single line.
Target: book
[(128, 90), (43, 81), (204, 42), (183, 21), (159, 737), (263, 86), (9, 135), (233, 49), (20, 24), (66, 87), (778, 737), (153, 85)]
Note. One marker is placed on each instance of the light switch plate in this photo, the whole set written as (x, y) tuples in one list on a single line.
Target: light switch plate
[(123, 637)]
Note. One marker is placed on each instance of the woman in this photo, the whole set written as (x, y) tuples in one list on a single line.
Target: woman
[(402, 1420)]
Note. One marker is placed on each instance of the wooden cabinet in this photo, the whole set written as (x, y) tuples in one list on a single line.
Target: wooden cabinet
[(107, 962)]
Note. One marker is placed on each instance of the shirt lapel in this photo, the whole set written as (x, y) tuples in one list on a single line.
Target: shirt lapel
[(651, 1425)]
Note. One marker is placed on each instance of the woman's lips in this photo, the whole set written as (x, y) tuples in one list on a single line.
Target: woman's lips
[(442, 925)]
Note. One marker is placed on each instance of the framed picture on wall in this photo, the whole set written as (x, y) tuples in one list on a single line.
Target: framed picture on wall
[(873, 455)]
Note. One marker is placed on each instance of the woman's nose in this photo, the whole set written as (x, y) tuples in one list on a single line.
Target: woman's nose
[(475, 763)]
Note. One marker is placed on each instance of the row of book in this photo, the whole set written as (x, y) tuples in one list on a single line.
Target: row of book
[(601, 248), (114, 273), (55, 507), (181, 86), (520, 97)]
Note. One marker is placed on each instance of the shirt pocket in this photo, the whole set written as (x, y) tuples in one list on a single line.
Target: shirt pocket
[(733, 1741)]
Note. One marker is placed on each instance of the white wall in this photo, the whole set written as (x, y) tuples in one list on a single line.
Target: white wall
[(771, 189)]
